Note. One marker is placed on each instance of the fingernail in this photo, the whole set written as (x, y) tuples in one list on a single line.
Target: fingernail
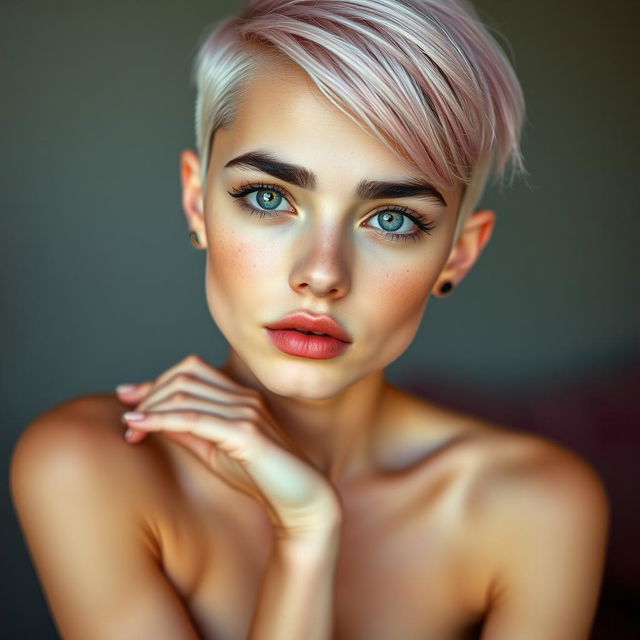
[(128, 434), (133, 415), (125, 388)]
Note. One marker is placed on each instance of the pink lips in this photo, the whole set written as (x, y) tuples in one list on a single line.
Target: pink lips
[(308, 322), (286, 335)]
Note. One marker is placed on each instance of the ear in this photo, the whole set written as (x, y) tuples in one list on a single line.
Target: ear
[(192, 199), (472, 239)]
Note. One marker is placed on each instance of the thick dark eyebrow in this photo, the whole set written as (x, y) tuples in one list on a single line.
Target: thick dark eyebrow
[(305, 178)]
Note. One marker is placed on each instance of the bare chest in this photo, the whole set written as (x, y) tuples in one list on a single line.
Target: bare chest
[(405, 567)]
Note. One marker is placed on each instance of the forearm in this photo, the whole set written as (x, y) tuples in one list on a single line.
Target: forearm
[(296, 597)]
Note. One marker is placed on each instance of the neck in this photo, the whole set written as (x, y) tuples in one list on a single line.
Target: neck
[(337, 435)]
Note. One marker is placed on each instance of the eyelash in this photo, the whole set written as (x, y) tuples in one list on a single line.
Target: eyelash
[(425, 226)]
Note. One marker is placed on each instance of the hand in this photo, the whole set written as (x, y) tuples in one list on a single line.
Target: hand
[(229, 428)]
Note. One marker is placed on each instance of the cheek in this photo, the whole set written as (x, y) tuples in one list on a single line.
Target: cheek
[(236, 270), (232, 260), (396, 303), (402, 289)]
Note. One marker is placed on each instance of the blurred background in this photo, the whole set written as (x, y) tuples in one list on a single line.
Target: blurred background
[(100, 284)]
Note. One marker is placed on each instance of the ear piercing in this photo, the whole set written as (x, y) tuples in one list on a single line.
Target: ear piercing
[(195, 240), (446, 287)]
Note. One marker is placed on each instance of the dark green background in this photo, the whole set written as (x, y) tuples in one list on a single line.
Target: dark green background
[(100, 284)]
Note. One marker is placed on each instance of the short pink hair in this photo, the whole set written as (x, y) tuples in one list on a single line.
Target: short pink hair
[(424, 77)]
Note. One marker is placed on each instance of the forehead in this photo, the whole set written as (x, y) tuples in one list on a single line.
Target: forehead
[(282, 110)]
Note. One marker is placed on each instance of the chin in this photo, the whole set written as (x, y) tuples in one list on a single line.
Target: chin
[(303, 380)]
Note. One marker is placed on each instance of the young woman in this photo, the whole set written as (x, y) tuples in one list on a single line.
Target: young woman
[(294, 493)]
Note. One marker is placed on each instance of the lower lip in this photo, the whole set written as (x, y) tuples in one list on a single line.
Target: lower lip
[(304, 345)]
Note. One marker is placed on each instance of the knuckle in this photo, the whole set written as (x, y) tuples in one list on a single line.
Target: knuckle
[(247, 439), (193, 358), (252, 406), (247, 428), (250, 414), (257, 399), (183, 377), (192, 416), (179, 396)]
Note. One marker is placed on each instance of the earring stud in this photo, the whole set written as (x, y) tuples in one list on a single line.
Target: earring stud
[(446, 287), (195, 240)]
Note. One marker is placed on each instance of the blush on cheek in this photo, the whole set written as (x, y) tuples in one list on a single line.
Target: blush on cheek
[(402, 289), (405, 293), (236, 272), (233, 260)]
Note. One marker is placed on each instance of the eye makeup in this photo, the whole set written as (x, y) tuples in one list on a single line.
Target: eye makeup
[(423, 224)]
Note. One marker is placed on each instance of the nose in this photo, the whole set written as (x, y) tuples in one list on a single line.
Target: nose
[(322, 265)]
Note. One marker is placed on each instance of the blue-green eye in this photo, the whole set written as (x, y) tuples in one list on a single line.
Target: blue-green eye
[(391, 218), (394, 220), (397, 224), (266, 196)]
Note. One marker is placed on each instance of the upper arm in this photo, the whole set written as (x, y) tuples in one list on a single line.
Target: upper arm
[(550, 528), (75, 496)]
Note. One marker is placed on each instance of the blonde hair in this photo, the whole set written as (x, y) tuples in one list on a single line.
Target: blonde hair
[(425, 77)]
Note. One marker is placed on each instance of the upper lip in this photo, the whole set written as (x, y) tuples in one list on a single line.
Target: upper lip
[(308, 322)]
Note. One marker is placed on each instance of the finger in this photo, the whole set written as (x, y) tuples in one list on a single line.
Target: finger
[(225, 404), (133, 435), (139, 394), (200, 446), (133, 393), (184, 401), (194, 368), (193, 363), (239, 439), (185, 385)]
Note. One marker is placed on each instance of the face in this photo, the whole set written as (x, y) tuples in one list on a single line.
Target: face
[(324, 249)]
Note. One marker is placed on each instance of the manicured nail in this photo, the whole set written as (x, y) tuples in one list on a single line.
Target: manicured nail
[(128, 434), (133, 415), (125, 388)]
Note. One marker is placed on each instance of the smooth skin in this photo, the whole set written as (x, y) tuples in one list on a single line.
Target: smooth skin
[(279, 497)]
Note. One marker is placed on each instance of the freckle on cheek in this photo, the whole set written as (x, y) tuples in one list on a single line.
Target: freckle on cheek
[(239, 258), (405, 290)]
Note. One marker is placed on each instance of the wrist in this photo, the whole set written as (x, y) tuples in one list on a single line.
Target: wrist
[(311, 527), (310, 523), (321, 542)]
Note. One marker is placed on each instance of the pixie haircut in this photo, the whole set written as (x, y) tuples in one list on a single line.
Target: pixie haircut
[(424, 77)]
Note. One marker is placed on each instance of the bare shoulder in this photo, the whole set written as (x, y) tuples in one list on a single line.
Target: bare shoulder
[(80, 441), (527, 483), (84, 499), (508, 479), (501, 465), (534, 523), (518, 471), (75, 431), (539, 513)]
